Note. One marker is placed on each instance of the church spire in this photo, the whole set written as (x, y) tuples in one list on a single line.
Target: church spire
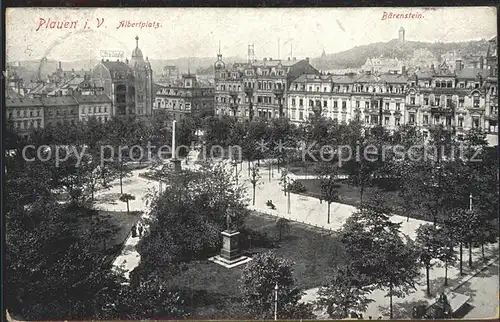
[(136, 41), (219, 48)]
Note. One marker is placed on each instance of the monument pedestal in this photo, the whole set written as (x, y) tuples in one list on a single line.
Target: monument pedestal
[(230, 255), (176, 164)]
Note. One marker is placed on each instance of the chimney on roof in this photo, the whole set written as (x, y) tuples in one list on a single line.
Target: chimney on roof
[(458, 65), (294, 58), (60, 65), (271, 58), (403, 70), (288, 58), (307, 59), (265, 59)]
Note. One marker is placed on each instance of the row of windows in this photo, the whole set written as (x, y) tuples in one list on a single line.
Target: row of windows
[(356, 88), (317, 103), (99, 118), (446, 101), (59, 111), (25, 113), (262, 85), (448, 84), (94, 109), (32, 124)]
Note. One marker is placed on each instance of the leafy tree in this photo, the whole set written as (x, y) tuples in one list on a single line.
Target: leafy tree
[(283, 226), (126, 197), (186, 219), (380, 253), (430, 243), (258, 283), (447, 253), (152, 299), (344, 292), (329, 191), (254, 180)]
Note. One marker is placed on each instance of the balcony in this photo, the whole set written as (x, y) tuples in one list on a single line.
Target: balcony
[(233, 93), (248, 91), (278, 92)]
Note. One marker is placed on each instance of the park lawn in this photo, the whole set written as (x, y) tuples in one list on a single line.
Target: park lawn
[(350, 195), (213, 290)]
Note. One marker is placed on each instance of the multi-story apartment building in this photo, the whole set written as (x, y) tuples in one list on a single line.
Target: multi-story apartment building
[(129, 84), (188, 98), (60, 110), (460, 100), (255, 88), (98, 106), (25, 114), (374, 99)]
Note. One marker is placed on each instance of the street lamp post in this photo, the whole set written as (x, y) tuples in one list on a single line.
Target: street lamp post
[(276, 302), (470, 202), (235, 165)]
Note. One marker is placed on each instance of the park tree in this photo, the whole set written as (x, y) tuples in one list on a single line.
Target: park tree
[(201, 198), (151, 299), (329, 191), (283, 226), (380, 252), (344, 292), (126, 197), (447, 252), (258, 283), (430, 242), (63, 267), (186, 133), (254, 180)]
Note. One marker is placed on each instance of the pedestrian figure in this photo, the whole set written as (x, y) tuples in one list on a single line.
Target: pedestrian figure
[(134, 231), (380, 317), (369, 317), (361, 316), (140, 230)]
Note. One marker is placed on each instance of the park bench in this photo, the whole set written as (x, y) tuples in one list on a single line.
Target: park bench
[(270, 204)]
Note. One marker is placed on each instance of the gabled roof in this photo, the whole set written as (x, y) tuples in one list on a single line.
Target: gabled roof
[(299, 68), (116, 66), (472, 73), (344, 79), (87, 99), (11, 93), (23, 102), (58, 101)]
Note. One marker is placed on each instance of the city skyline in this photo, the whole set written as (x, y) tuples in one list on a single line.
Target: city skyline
[(197, 32)]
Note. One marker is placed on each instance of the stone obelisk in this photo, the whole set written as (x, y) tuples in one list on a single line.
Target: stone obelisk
[(176, 162)]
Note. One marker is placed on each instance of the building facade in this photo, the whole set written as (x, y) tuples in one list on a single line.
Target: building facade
[(60, 110), (25, 114), (255, 88), (129, 84), (460, 100), (98, 106), (187, 98), (373, 99)]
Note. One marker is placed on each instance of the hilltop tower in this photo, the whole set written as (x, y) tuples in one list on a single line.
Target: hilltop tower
[(402, 35)]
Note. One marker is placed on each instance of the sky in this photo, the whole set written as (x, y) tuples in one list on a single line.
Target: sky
[(196, 32)]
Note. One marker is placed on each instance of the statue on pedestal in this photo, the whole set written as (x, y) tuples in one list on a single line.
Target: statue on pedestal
[(229, 222)]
